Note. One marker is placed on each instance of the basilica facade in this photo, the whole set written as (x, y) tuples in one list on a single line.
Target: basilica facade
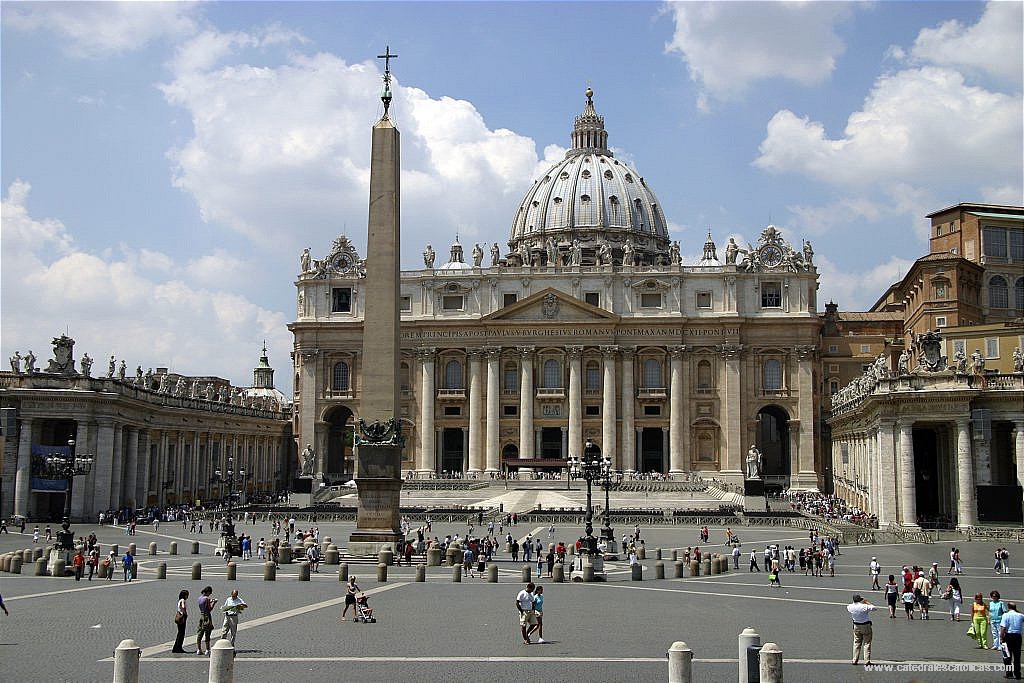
[(588, 326)]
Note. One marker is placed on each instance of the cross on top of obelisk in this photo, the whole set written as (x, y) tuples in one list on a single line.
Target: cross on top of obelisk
[(385, 95)]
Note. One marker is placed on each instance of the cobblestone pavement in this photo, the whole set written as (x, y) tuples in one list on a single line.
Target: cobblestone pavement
[(60, 630)]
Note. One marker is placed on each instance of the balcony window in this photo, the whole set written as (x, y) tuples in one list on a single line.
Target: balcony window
[(511, 378), (652, 374), (341, 300), (772, 376), (340, 378), (771, 295), (703, 299), (650, 300), (705, 381), (552, 378), (592, 298), (593, 376), (453, 375), (453, 302)]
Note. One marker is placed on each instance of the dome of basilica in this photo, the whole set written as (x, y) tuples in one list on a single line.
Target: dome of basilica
[(587, 200)]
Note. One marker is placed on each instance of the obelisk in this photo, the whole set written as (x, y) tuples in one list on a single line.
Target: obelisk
[(378, 438)]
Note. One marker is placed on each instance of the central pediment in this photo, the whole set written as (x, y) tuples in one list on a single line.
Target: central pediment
[(551, 305)]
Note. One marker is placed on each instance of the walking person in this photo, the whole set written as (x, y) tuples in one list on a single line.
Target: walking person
[(955, 597), (128, 565), (79, 563), (996, 610), (233, 606), (1010, 632), (736, 557), (753, 562), (351, 590), (180, 620), (908, 602), (527, 614), (205, 626), (860, 612), (892, 591), (874, 569), (538, 608), (980, 621)]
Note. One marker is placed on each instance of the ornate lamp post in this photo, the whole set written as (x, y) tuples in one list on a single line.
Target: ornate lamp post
[(592, 467), (229, 478), (66, 468)]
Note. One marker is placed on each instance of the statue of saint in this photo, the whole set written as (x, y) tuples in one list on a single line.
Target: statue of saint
[(881, 367), (86, 365), (575, 254), (754, 463), (604, 255), (628, 253), (138, 374), (674, 257), (428, 257), (110, 367), (16, 363), (304, 260), (209, 391), (978, 362), (903, 365), (1018, 360), (808, 254), (495, 254), (30, 363), (308, 461), (552, 252), (122, 370), (731, 250), (478, 256), (148, 383)]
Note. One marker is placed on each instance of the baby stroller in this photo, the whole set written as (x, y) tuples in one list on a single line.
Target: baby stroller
[(364, 612)]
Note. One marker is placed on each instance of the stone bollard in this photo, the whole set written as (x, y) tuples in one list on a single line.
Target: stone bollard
[(195, 547), (558, 573), (152, 548), (161, 570), (331, 555), (172, 549), (58, 568), (434, 557), (641, 553), (197, 571), (382, 573), (135, 570), (694, 568), (706, 569), (36, 554), (343, 572), (657, 553), (41, 567), (527, 574), (328, 541), (5, 563), (101, 571), (26, 556), (636, 572), (304, 571), (284, 555), (114, 548), (771, 663), (133, 550), (232, 571), (269, 571), (386, 556), (16, 562), (457, 574), (747, 639), (421, 573), (449, 557), (126, 661), (588, 573), (222, 662), (659, 570), (675, 554), (716, 565), (677, 567), (680, 663)]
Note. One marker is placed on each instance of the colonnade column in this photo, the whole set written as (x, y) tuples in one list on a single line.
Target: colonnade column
[(574, 445), (193, 484), (526, 404), (117, 468), (967, 505), (145, 463), (427, 460), (628, 459), (23, 475), (982, 454), (491, 452), (908, 481), (476, 456), (131, 468), (806, 477), (78, 493), (886, 473), (608, 402), (732, 403), (676, 400), (1018, 450)]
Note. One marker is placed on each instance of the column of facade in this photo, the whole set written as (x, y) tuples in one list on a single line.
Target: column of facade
[(677, 399), (99, 496), (908, 475), (608, 402), (873, 481), (131, 467), (427, 460), (80, 493), (145, 464), (564, 453), (465, 448), (732, 403), (476, 455), (117, 468), (1018, 450), (967, 503), (665, 439), (574, 437), (438, 446), (492, 430), (526, 451), (982, 457), (23, 474), (887, 484), (628, 460), (806, 477)]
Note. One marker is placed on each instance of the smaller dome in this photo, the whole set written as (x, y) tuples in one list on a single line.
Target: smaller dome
[(456, 261), (710, 258)]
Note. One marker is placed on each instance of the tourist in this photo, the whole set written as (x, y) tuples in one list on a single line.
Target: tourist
[(860, 611), (908, 601), (3, 527), (205, 626), (1005, 557), (980, 621), (79, 563), (874, 569), (996, 610), (515, 550), (955, 597), (233, 606), (1010, 633), (998, 566), (773, 574), (94, 560), (933, 578), (922, 591), (527, 614), (540, 563), (128, 565), (351, 589), (538, 607), (180, 619), (753, 562), (892, 591), (3, 606), (35, 535)]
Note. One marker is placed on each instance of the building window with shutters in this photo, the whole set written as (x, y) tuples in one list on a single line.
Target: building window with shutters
[(705, 379)]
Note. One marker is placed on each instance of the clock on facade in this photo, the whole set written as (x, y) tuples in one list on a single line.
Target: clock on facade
[(771, 255)]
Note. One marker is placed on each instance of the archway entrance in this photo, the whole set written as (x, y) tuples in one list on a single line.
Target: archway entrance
[(652, 450), (340, 457), (509, 453), (452, 453), (773, 442)]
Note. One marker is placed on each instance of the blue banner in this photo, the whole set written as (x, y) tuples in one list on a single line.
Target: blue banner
[(40, 484), (45, 451)]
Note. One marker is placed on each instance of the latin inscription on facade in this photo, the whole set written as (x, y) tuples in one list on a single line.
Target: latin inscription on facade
[(523, 332)]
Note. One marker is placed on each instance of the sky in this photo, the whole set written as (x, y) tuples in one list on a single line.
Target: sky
[(164, 164)]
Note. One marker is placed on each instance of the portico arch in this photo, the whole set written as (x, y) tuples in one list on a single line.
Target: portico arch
[(338, 464), (774, 443)]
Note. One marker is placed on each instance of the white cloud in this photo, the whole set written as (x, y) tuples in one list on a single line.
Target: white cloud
[(728, 46), (281, 153), (129, 305), (992, 46), (98, 29), (856, 290)]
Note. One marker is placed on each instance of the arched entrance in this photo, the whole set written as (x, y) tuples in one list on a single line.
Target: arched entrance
[(340, 457), (509, 453), (453, 452), (652, 450), (773, 442)]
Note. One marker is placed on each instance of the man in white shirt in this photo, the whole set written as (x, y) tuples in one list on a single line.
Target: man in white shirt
[(874, 569), (735, 557), (233, 606), (860, 611), (527, 615)]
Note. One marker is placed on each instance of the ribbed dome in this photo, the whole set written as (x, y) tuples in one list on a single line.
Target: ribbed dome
[(592, 197)]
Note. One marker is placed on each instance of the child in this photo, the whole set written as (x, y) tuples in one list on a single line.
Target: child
[(908, 602), (364, 606)]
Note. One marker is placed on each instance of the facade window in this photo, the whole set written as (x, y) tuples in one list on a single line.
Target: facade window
[(593, 376), (960, 346), (703, 299), (511, 379), (772, 375), (1017, 245), (453, 375), (992, 347), (704, 377), (452, 411), (771, 295), (652, 411), (940, 291), (510, 410), (509, 298), (940, 321), (833, 368), (833, 348), (833, 388), (652, 374), (592, 298), (552, 374), (998, 293), (341, 300), (453, 302), (994, 242), (865, 348), (592, 411), (1018, 294), (405, 304), (340, 377), (650, 300), (403, 377)]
